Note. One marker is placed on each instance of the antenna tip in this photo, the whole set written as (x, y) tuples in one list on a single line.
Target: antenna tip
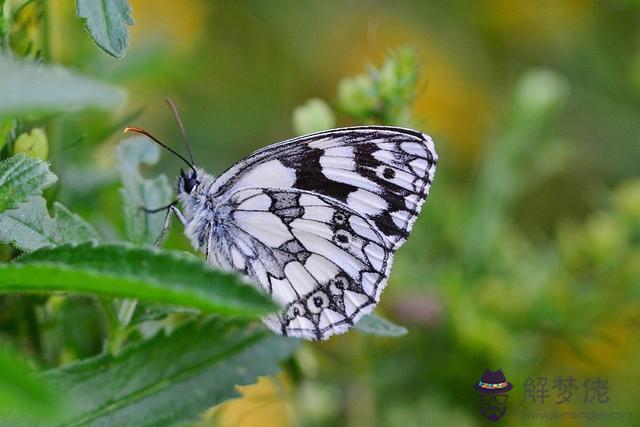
[(134, 129)]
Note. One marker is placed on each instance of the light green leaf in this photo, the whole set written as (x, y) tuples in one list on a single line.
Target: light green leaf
[(140, 192), (376, 325), (29, 226), (170, 380), (22, 393), (122, 270), (106, 21), (22, 176), (27, 87)]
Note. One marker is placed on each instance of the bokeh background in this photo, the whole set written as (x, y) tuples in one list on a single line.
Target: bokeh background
[(526, 256)]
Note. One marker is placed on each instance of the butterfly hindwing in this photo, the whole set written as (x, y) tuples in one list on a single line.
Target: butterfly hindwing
[(323, 262)]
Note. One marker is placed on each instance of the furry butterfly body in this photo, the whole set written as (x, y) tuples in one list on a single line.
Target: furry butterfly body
[(313, 221)]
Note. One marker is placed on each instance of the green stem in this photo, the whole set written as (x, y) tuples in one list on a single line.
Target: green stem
[(125, 312), (46, 40), (5, 26)]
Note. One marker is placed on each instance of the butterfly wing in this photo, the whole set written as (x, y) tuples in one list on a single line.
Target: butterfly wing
[(323, 262), (315, 221), (383, 173)]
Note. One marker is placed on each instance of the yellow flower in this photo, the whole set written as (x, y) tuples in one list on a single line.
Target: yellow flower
[(264, 404)]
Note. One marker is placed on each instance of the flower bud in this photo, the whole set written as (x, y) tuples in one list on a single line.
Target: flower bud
[(315, 115), (34, 144)]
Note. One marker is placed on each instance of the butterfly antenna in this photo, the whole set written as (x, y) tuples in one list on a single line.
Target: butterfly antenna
[(147, 134), (176, 114)]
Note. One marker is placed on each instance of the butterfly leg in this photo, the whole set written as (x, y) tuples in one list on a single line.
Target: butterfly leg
[(209, 247), (171, 209)]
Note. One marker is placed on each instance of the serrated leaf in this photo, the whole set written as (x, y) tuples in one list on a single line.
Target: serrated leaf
[(122, 270), (170, 380), (29, 227), (27, 87), (20, 177), (376, 325), (22, 393), (106, 21), (140, 192)]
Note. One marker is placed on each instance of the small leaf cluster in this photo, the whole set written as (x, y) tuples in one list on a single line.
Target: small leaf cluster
[(383, 95)]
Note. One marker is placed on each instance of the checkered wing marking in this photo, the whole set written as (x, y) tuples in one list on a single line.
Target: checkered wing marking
[(322, 261), (383, 173)]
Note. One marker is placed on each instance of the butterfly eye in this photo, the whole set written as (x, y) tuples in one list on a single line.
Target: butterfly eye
[(188, 182)]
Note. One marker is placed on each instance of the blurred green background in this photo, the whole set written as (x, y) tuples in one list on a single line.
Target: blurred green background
[(526, 256)]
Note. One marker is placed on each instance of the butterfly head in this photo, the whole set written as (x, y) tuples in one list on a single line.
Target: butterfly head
[(188, 181)]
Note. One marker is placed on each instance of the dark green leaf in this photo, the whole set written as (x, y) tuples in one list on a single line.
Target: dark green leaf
[(170, 380), (27, 87), (106, 21), (140, 192), (376, 325), (22, 393), (29, 226), (121, 270), (22, 176)]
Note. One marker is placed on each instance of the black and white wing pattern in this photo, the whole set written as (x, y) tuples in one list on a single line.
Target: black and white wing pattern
[(315, 221)]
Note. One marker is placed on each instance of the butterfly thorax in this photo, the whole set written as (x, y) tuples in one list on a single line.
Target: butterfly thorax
[(201, 209)]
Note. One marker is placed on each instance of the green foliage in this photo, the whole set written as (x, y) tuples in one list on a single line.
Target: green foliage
[(383, 95), (508, 169), (376, 325), (139, 192), (107, 21), (168, 380), (118, 270), (28, 87), (22, 176), (7, 124), (29, 226), (23, 392)]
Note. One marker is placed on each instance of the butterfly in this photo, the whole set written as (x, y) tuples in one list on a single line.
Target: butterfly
[(314, 221)]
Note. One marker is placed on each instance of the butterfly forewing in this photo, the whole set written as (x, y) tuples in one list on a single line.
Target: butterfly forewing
[(383, 173)]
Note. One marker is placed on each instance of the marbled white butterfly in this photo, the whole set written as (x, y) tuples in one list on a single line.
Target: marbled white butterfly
[(313, 221)]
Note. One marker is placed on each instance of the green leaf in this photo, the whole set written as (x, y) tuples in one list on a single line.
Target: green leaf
[(122, 270), (170, 380), (22, 176), (27, 87), (376, 325), (29, 226), (7, 124), (140, 192), (106, 21), (22, 393)]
